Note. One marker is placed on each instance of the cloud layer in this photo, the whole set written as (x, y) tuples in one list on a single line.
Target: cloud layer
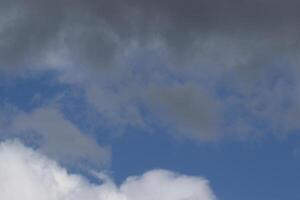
[(35, 177), (99, 32), (189, 64)]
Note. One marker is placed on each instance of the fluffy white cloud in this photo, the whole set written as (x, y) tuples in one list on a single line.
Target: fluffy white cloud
[(28, 175)]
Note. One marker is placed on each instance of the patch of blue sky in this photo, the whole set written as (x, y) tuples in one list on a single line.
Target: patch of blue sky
[(28, 92)]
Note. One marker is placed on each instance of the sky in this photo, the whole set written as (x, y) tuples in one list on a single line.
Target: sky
[(149, 100)]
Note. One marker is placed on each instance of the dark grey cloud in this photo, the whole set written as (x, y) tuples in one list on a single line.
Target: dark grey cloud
[(94, 32)]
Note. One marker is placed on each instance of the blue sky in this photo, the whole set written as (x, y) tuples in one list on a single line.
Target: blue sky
[(261, 168), (149, 100)]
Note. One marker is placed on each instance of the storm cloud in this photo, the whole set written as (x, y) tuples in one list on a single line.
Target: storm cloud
[(98, 32)]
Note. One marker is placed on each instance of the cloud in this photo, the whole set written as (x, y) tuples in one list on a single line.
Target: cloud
[(189, 109), (47, 129), (26, 174), (118, 51), (99, 33)]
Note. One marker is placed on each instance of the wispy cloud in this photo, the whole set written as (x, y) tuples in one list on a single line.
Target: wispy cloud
[(50, 132)]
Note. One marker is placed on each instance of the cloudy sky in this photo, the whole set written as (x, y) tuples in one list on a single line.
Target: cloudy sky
[(149, 99)]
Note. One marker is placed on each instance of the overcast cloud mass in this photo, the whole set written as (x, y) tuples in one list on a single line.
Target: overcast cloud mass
[(123, 53)]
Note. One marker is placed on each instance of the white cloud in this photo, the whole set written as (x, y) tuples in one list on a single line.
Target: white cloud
[(28, 175)]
